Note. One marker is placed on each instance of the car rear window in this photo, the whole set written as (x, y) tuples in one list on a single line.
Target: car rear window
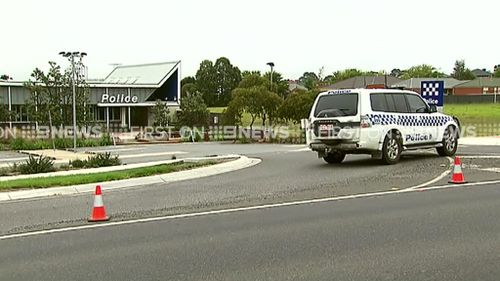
[(337, 105)]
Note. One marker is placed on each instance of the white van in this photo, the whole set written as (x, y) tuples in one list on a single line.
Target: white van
[(380, 122)]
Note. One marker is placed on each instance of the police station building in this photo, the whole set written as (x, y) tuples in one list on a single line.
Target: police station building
[(125, 98)]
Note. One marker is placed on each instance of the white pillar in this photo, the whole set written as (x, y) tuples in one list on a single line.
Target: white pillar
[(107, 117), (129, 123), (10, 107), (123, 116)]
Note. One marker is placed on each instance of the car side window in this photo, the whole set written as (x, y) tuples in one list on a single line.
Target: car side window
[(378, 102), (400, 103), (391, 107), (416, 104)]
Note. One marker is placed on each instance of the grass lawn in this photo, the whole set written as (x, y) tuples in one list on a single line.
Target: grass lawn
[(484, 117), (101, 177), (246, 120)]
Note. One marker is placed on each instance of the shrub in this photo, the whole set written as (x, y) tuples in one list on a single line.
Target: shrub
[(36, 165), (102, 160), (105, 140), (96, 161), (78, 163)]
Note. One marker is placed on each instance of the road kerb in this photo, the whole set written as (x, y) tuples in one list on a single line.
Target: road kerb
[(241, 163)]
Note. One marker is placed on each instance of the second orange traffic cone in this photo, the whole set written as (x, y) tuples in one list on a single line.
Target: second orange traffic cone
[(98, 211), (458, 175)]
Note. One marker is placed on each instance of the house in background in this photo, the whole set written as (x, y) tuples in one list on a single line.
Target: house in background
[(481, 73), (414, 84), (363, 82), (294, 85), (479, 86)]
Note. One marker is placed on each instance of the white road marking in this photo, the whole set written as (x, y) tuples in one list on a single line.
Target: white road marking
[(242, 209), (152, 154), (13, 159), (116, 149), (480, 157), (301, 149), (438, 178), (495, 170)]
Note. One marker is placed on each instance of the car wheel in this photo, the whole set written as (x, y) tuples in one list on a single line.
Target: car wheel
[(334, 157), (450, 142), (392, 148)]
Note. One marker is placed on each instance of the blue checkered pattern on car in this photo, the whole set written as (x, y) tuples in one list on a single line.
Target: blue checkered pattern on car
[(407, 120)]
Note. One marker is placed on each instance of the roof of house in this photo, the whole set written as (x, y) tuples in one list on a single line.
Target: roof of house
[(481, 73), (481, 83), (415, 83), (363, 81), (142, 74), (294, 85)]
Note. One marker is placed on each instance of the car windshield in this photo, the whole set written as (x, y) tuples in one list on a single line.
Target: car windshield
[(337, 105)]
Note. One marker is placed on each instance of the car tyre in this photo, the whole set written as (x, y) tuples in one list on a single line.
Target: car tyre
[(449, 142), (392, 148), (334, 158)]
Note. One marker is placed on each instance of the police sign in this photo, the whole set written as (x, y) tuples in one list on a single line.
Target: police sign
[(433, 92)]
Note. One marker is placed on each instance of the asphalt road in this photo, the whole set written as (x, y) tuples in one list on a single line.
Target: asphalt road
[(283, 175), (451, 234), (286, 174)]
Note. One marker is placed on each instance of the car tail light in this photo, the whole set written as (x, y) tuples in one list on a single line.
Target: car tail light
[(365, 122)]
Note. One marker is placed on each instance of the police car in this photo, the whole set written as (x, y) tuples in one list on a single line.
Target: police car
[(380, 122)]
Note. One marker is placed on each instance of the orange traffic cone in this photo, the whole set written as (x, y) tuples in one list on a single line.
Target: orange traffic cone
[(458, 175), (98, 211)]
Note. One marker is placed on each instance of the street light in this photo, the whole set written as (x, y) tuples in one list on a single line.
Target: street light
[(71, 57), (271, 64)]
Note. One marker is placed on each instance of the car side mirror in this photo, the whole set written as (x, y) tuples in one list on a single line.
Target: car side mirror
[(432, 108)]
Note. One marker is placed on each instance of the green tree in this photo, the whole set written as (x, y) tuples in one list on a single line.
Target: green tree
[(249, 100), (396, 72), (297, 106), (51, 98), (497, 73), (228, 77), (5, 77), (279, 86), (345, 74), (188, 80), (309, 80), (161, 114), (206, 82), (194, 111), (188, 89), (271, 104), (460, 72), (4, 111), (422, 71)]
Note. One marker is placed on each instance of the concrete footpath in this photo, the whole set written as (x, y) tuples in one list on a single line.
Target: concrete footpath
[(240, 163)]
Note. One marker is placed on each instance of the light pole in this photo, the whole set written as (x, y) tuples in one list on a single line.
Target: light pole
[(71, 57), (271, 64)]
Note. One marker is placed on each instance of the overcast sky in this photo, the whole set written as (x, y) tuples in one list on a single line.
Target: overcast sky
[(297, 36)]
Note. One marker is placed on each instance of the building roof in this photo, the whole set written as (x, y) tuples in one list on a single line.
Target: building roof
[(294, 85), (132, 76), (142, 74), (363, 81), (481, 73), (415, 83), (481, 83)]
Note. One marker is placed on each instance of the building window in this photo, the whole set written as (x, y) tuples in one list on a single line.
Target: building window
[(99, 113), (115, 113), (485, 91), (20, 113)]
